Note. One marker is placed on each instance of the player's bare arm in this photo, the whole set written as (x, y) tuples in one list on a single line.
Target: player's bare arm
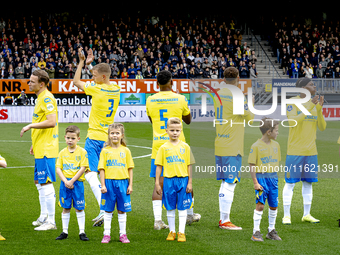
[(50, 122), (76, 80), (187, 119), (257, 186)]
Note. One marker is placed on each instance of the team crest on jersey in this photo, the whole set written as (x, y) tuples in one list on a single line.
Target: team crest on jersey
[(289, 108), (122, 155), (182, 150), (78, 158)]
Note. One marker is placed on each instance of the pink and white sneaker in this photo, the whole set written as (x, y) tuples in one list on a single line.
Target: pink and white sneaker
[(106, 239), (124, 239)]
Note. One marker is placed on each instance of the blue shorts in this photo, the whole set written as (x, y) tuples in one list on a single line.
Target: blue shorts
[(228, 168), (301, 168), (44, 170), (270, 192), (174, 193), (93, 148), (116, 193), (153, 169), (66, 196)]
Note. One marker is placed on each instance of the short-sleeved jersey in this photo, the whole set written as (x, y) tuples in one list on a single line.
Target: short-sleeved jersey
[(45, 141), (175, 159), (229, 139), (105, 101), (301, 138), (265, 156), (116, 162), (160, 107), (71, 162)]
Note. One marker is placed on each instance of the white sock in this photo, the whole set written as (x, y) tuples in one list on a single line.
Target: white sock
[(191, 210), (226, 197), (50, 202), (271, 219), (157, 209), (182, 218), (122, 223), (42, 201), (257, 220), (287, 195), (92, 179), (307, 195), (65, 218), (107, 223), (171, 215), (81, 221)]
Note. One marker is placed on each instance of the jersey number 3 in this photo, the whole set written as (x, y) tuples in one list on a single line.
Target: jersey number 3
[(112, 101)]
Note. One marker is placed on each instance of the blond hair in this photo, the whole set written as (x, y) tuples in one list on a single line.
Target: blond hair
[(103, 68), (119, 126), (174, 120)]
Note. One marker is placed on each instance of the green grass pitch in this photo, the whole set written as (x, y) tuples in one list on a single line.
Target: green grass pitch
[(19, 204)]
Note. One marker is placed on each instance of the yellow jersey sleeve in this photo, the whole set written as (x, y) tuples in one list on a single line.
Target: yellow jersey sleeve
[(302, 137), (45, 142), (105, 101), (175, 159), (160, 107), (70, 163), (116, 162)]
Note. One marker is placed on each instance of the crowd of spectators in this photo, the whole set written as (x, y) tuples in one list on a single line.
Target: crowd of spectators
[(135, 47), (309, 48)]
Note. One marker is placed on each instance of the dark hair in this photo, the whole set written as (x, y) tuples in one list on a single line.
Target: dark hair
[(268, 124), (163, 77), (72, 129), (302, 82)]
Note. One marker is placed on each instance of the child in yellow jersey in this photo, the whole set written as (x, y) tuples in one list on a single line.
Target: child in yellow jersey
[(71, 164), (264, 159), (115, 167), (175, 157), (3, 164)]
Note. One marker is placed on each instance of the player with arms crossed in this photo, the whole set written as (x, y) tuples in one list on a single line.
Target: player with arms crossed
[(105, 101), (229, 146), (160, 107), (45, 147), (264, 157), (302, 159), (71, 164)]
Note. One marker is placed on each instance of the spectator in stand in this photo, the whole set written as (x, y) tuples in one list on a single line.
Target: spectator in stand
[(19, 71), (320, 72), (124, 74), (8, 99), (22, 99), (295, 66)]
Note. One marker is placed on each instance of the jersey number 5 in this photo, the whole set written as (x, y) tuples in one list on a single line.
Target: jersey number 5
[(162, 118), (112, 101)]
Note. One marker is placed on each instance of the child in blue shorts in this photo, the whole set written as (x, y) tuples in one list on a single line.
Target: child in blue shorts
[(264, 159), (115, 167), (70, 167), (176, 159)]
